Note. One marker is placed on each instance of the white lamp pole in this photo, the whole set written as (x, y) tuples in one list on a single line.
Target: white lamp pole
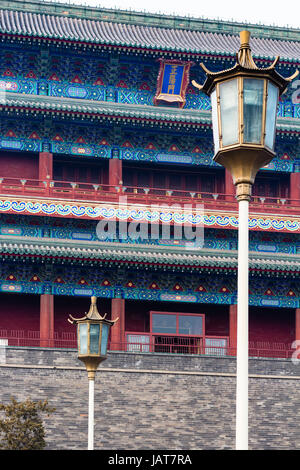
[(242, 329), (91, 415)]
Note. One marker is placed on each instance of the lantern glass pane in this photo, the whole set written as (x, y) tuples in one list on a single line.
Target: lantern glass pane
[(272, 102), (104, 338), (215, 123), (229, 111), (253, 110), (83, 338), (94, 338)]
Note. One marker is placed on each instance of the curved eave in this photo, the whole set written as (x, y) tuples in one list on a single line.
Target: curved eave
[(88, 108), (239, 70), (70, 107), (159, 258)]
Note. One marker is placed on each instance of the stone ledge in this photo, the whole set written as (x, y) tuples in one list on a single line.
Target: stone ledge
[(151, 371), (162, 363)]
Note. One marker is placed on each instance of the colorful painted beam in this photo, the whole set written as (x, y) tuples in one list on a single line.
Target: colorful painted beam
[(146, 214)]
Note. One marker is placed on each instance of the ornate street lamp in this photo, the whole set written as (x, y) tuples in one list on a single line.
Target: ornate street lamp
[(244, 103), (92, 338)]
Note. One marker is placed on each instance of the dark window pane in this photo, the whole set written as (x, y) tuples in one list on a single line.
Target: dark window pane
[(82, 174), (58, 173), (143, 179), (207, 183), (69, 173), (191, 183), (127, 178), (190, 325), (159, 180), (164, 324), (175, 182), (94, 175)]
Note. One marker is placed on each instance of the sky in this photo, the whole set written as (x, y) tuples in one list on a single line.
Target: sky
[(267, 12)]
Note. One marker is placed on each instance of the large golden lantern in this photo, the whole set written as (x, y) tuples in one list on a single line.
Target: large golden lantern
[(244, 102)]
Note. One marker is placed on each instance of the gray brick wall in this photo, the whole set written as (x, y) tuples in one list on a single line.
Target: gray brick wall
[(156, 401)]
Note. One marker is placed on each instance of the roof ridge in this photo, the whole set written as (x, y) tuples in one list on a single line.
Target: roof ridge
[(150, 19), (60, 25)]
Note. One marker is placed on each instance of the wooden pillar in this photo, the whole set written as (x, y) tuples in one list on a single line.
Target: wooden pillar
[(295, 189), (115, 173), (117, 342), (232, 329), (229, 187), (45, 166), (47, 320)]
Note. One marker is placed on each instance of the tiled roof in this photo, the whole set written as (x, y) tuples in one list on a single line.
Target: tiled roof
[(75, 29), (118, 253), (169, 116), (128, 111)]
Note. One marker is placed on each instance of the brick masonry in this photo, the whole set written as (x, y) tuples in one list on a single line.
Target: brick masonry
[(155, 401)]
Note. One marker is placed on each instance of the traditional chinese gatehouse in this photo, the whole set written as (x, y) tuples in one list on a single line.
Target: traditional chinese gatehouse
[(106, 152)]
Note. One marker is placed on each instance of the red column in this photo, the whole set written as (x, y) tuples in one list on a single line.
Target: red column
[(115, 172), (118, 329), (232, 329), (46, 320), (295, 188), (229, 186), (45, 166)]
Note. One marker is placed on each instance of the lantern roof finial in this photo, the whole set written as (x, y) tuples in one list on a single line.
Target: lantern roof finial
[(244, 56), (93, 314)]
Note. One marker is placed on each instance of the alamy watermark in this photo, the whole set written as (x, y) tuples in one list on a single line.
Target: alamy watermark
[(176, 223)]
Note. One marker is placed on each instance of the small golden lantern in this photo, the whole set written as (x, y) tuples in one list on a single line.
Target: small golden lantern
[(92, 337)]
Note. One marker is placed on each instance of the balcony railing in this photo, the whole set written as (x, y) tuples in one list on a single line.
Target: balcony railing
[(137, 342), (21, 338), (104, 192), (208, 345)]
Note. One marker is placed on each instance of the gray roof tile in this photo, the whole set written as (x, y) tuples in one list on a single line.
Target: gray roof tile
[(135, 35)]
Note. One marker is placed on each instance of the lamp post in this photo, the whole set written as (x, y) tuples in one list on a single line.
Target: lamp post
[(92, 338), (244, 103)]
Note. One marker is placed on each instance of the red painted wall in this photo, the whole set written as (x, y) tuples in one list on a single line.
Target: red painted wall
[(137, 316), (265, 324), (19, 165), (80, 170), (22, 312), (77, 307), (272, 325), (19, 312), (295, 186)]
